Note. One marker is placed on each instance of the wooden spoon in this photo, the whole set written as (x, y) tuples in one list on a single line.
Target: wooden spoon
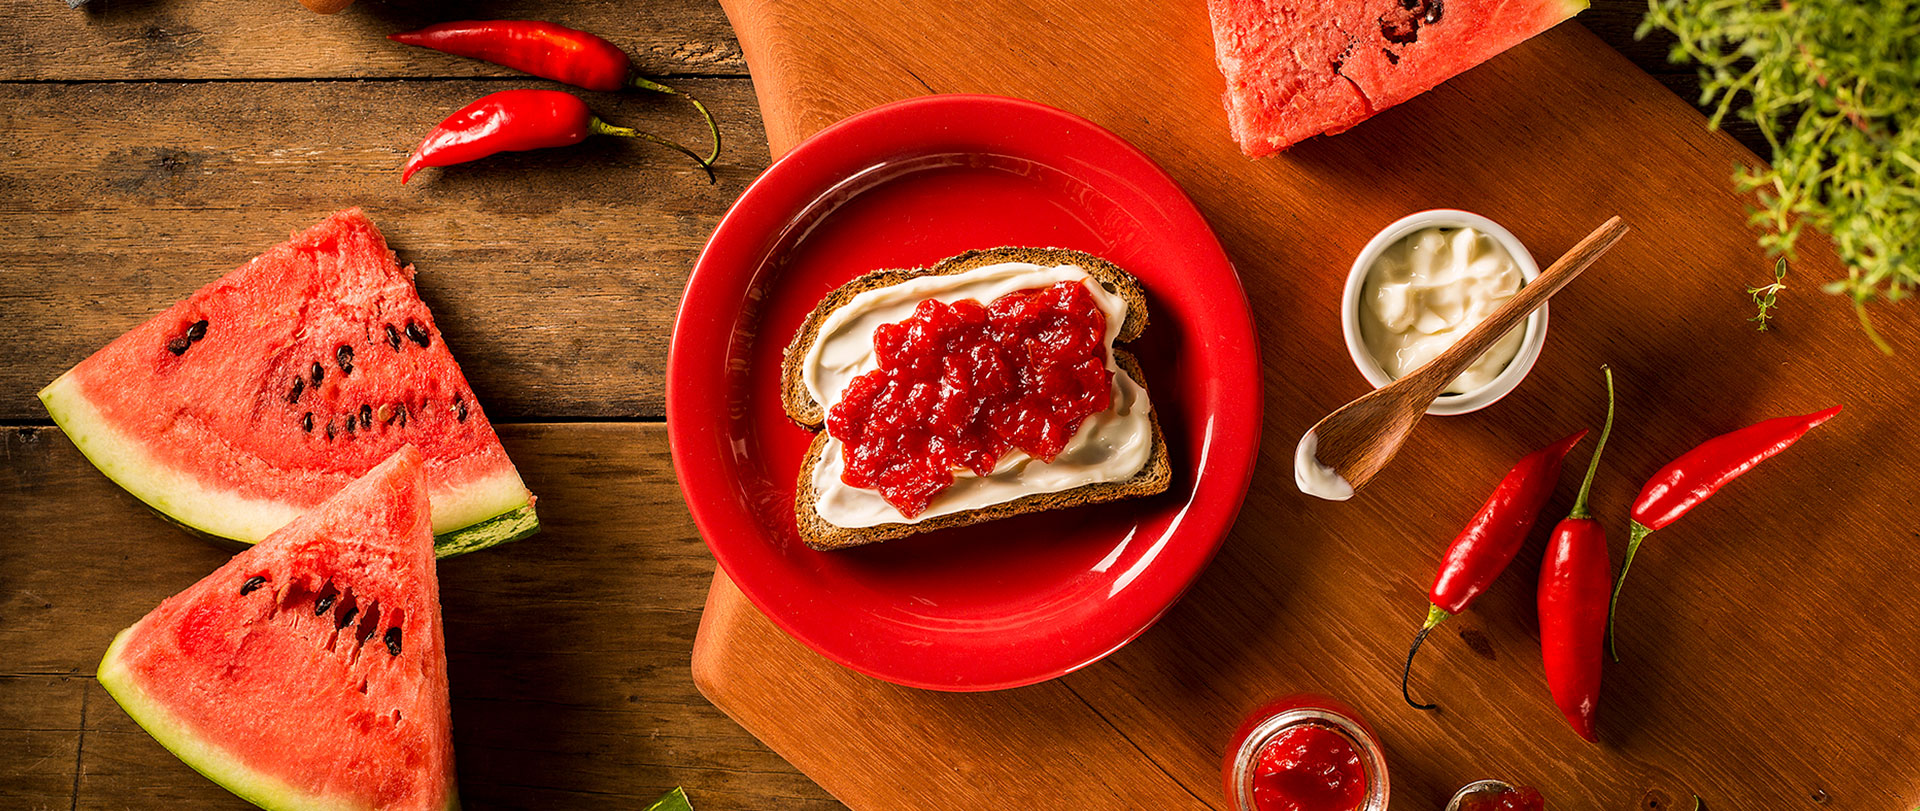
[(1356, 442)]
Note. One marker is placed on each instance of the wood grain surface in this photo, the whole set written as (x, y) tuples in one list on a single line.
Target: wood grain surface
[(152, 145), (1792, 578)]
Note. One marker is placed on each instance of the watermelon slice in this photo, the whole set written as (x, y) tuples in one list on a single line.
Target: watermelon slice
[(1299, 68), (267, 391), (309, 671)]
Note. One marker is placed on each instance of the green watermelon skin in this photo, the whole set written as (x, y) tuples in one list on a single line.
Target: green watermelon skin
[(290, 695), (271, 388), (1300, 68)]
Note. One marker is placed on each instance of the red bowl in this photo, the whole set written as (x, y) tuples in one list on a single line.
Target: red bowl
[(1002, 604)]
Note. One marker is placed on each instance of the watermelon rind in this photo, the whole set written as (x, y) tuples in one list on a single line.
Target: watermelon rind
[(479, 515), (212, 761), (209, 760), (506, 527)]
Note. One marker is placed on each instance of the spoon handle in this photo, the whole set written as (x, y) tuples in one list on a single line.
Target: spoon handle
[(1449, 364)]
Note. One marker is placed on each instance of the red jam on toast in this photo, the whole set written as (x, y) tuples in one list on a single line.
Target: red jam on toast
[(960, 384)]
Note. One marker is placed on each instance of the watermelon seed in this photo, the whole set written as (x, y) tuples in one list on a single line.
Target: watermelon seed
[(178, 346), (320, 606), (329, 430), (299, 385), (403, 415), (461, 406), (344, 357), (351, 422), (306, 423), (347, 618), (393, 641), (251, 584), (369, 622), (366, 416), (318, 373), (385, 414), (393, 338), (197, 331), (418, 334)]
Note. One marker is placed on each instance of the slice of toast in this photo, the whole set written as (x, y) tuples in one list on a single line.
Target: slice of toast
[(1153, 477)]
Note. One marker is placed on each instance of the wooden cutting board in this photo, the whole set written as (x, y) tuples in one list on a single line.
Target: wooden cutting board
[(1769, 639)]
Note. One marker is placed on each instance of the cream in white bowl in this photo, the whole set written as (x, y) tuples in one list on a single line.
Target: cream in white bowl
[(1425, 281)]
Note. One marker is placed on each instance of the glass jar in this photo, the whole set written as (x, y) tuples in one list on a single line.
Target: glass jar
[(1274, 721)]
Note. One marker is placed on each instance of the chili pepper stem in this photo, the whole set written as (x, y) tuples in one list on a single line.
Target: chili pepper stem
[(713, 125), (1435, 616), (1637, 533), (600, 127), (1586, 485), (645, 83)]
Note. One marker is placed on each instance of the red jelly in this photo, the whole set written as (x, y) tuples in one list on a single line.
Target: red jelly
[(1305, 753), (961, 384), (1309, 768), (1524, 798)]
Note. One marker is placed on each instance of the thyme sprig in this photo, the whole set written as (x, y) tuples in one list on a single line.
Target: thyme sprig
[(1766, 296), (1831, 85)]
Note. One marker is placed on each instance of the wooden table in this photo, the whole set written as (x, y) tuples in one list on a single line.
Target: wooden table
[(151, 146)]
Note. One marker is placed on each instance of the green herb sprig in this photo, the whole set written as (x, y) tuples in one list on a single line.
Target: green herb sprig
[(1834, 87), (1767, 296)]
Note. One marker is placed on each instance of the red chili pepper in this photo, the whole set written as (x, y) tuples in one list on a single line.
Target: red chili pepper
[(550, 51), (518, 120), (543, 49), (1700, 473), (1488, 543), (1573, 602)]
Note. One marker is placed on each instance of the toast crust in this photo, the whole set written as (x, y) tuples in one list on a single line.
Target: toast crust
[(1153, 478)]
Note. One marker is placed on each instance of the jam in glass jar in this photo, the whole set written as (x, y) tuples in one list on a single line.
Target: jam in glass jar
[(1305, 753)]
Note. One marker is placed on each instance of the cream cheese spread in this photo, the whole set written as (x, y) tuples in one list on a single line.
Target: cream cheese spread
[(1112, 445), (1314, 477), (1425, 292)]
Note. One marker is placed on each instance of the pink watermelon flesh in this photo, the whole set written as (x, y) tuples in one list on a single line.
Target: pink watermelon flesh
[(1299, 68), (270, 389), (309, 671)]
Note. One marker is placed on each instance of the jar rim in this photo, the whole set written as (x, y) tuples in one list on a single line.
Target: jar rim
[(1373, 760)]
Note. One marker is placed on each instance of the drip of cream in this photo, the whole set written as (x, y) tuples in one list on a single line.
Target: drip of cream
[(1110, 446), (1314, 478)]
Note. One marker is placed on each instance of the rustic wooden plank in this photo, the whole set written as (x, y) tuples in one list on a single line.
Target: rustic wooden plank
[(555, 274), (1793, 577), (40, 719), (568, 652), (132, 39)]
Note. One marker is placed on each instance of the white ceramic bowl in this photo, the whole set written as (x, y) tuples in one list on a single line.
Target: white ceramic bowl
[(1535, 326)]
